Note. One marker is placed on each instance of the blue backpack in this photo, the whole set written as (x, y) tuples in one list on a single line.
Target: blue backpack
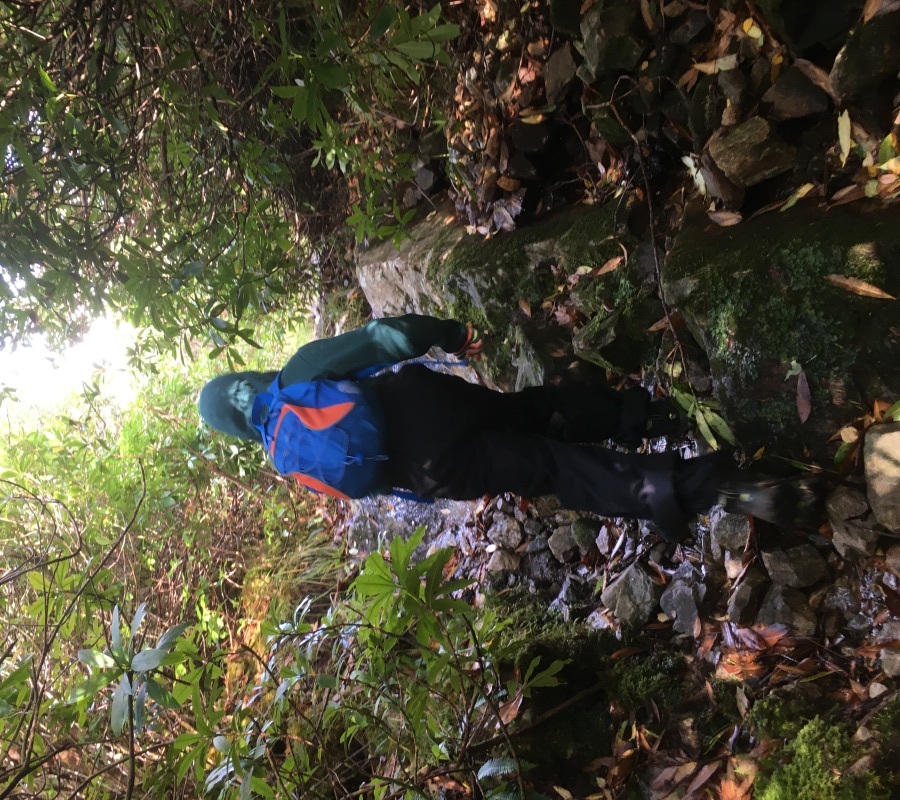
[(327, 434)]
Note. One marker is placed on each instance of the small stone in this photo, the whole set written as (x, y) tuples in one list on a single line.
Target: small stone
[(794, 96), (585, 531), (505, 532), (751, 152), (728, 533), (787, 606), (503, 561), (882, 458), (797, 566), (533, 528), (631, 597), (680, 601), (890, 662), (563, 545), (848, 511), (745, 597), (537, 545), (892, 559)]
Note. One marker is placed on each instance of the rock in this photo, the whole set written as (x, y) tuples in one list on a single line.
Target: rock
[(796, 566), (573, 600), (840, 604), (619, 340), (756, 296), (426, 179), (848, 511), (534, 528), (681, 599), (890, 662), (693, 24), (787, 606), (585, 531), (610, 31), (728, 533), (563, 545), (542, 569), (718, 185), (505, 532), (882, 458), (892, 559), (538, 544), (744, 600), (503, 561), (530, 137), (870, 55), (793, 96), (559, 71), (631, 597), (751, 152)]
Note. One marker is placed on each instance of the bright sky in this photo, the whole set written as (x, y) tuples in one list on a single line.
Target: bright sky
[(43, 379)]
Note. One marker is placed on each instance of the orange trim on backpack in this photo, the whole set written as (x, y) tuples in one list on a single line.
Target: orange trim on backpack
[(315, 419), (318, 486)]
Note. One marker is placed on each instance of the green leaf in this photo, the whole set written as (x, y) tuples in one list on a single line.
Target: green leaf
[(114, 630), (92, 685), (168, 639), (420, 51), (382, 22), (161, 695), (328, 681), (119, 710), (496, 767), (148, 660), (718, 424), (894, 412), (47, 80), (94, 658), (705, 430), (331, 76), (138, 619)]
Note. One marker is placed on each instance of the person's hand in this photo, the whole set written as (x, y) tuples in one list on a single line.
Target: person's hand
[(474, 344)]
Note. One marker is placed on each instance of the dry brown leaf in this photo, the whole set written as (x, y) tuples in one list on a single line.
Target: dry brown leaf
[(848, 194), (525, 306), (702, 778), (626, 652), (878, 8), (857, 286), (725, 218), (804, 398), (647, 14), (510, 709), (722, 64), (610, 265), (508, 184), (688, 80), (659, 325), (817, 75)]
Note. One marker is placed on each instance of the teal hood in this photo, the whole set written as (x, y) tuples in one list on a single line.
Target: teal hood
[(226, 402)]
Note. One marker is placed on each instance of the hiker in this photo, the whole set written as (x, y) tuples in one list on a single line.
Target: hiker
[(438, 436)]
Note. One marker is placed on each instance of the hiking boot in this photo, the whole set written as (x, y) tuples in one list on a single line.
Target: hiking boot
[(786, 502)]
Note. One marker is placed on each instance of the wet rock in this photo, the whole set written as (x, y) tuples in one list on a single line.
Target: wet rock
[(718, 184), (793, 96), (619, 340), (745, 597), (533, 528), (693, 24), (426, 179), (797, 566), (505, 532), (542, 570), (751, 152), (585, 531), (612, 42), (788, 606), (708, 103), (538, 544), (840, 604), (631, 597), (563, 545), (559, 71), (882, 458), (681, 599), (870, 55), (849, 514), (503, 561)]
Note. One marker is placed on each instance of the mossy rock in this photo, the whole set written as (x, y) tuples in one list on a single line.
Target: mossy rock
[(759, 298), (442, 271)]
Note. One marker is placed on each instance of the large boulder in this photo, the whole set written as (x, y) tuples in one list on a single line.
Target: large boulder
[(441, 270), (783, 306)]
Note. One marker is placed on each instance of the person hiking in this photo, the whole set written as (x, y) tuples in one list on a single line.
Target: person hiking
[(437, 435)]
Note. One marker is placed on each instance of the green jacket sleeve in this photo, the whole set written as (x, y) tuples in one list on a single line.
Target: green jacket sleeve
[(382, 341)]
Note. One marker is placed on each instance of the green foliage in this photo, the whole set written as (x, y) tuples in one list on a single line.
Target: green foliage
[(175, 182), (639, 679), (813, 766), (705, 414)]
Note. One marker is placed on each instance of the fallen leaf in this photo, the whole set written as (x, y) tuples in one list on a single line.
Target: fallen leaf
[(610, 265), (510, 709), (847, 195), (702, 778), (857, 286), (817, 75), (722, 64), (891, 165), (804, 399), (659, 325), (798, 195), (647, 14), (878, 8), (725, 218), (525, 306), (844, 139)]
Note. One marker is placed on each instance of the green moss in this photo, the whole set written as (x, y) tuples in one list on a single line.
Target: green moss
[(781, 714), (655, 677), (813, 766)]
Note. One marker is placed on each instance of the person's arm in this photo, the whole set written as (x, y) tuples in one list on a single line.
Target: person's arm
[(382, 341)]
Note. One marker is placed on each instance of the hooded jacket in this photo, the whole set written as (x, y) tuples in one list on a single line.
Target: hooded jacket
[(226, 402)]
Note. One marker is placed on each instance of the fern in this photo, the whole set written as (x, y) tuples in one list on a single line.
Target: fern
[(498, 767)]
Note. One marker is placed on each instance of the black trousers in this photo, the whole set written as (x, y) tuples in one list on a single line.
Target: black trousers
[(452, 439)]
